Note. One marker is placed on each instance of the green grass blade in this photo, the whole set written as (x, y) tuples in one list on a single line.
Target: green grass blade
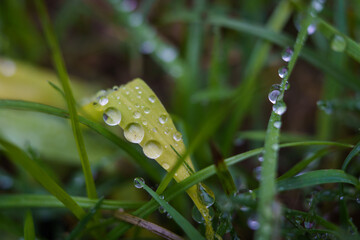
[(48, 201), (315, 178), (205, 173), (130, 149), (190, 231), (85, 220), (29, 229), (65, 81), (351, 155), (20, 158)]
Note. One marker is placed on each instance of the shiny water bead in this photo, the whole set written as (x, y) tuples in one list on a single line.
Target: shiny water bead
[(162, 210), (274, 93), (163, 119), (318, 5), (112, 116), (308, 224), (134, 132), (311, 29), (253, 223), (287, 85), (152, 98), (147, 47), (136, 20), (103, 101), (146, 110), (283, 71), (279, 108), (115, 88), (152, 149), (205, 197), (257, 173), (287, 54), (165, 166), (260, 158), (177, 136), (196, 215), (338, 43), (136, 114), (277, 124), (138, 181), (167, 54)]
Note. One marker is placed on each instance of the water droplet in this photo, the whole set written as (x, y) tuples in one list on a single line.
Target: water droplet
[(311, 29), (308, 224), (146, 110), (261, 159), (283, 71), (165, 166), (167, 54), (137, 105), (277, 124), (147, 47), (103, 101), (115, 88), (135, 20), (205, 197), (144, 122), (358, 198), (112, 116), (152, 98), (155, 129), (161, 197), (167, 131), (6, 182), (134, 132), (196, 215), (253, 223), (326, 106), (137, 87), (163, 119), (257, 173), (279, 108), (274, 93), (152, 149), (338, 43), (318, 5), (287, 54), (7, 68), (162, 210), (177, 136), (136, 114), (287, 85), (275, 146), (168, 216), (127, 92), (138, 181), (128, 5)]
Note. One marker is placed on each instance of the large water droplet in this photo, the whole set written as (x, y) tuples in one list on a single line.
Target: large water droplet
[(283, 71), (253, 223), (138, 181), (338, 43), (152, 149), (274, 93), (196, 215), (287, 54), (277, 124), (177, 136), (279, 108), (163, 119), (112, 116), (152, 98), (134, 132), (205, 197), (136, 114)]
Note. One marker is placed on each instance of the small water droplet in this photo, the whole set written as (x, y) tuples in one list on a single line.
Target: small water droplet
[(152, 98), (287, 54), (112, 116), (155, 129), (358, 198), (275, 146), (167, 54), (326, 106), (135, 20), (277, 124), (163, 119), (177, 136), (318, 5), (127, 92), (311, 29), (138, 181), (103, 101), (257, 173), (261, 159), (137, 105), (167, 131), (279, 108), (162, 210), (196, 215), (146, 110), (338, 43), (144, 122), (161, 197), (115, 88), (139, 92), (134, 132), (253, 223), (137, 87), (308, 224), (152, 149), (147, 47), (118, 99), (205, 197), (136, 114), (283, 71), (287, 85), (274, 94), (165, 166), (168, 216)]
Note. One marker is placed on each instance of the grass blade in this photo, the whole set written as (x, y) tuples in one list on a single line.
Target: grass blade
[(20, 158), (190, 231), (351, 155), (65, 81), (29, 229), (85, 220), (315, 178), (163, 232)]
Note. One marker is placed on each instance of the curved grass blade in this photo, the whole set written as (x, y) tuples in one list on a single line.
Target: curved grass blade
[(29, 229), (65, 81), (85, 220), (317, 177), (163, 232), (48, 201), (352, 154), (20, 158), (130, 149), (190, 231)]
